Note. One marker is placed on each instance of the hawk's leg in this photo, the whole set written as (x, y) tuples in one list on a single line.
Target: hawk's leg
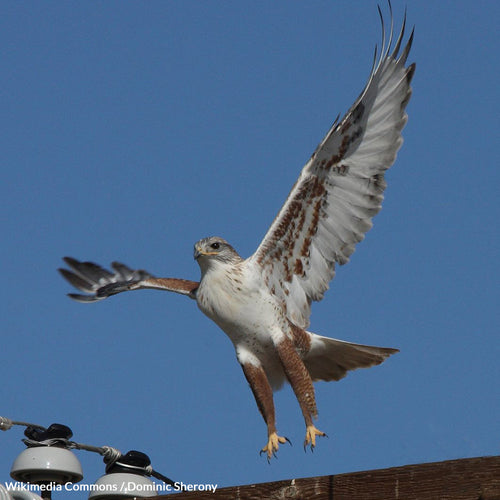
[(302, 386), (263, 394)]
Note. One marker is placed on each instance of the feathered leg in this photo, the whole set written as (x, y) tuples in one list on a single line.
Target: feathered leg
[(263, 394), (302, 386)]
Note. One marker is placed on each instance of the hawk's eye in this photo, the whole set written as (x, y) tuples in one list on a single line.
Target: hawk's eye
[(215, 245)]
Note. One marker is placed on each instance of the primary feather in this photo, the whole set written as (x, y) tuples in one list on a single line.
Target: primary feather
[(339, 190)]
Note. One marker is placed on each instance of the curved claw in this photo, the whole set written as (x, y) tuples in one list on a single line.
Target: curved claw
[(273, 444), (311, 433)]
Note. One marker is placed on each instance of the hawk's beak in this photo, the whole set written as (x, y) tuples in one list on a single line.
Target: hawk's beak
[(198, 252)]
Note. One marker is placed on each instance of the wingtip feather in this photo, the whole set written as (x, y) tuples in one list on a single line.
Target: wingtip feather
[(84, 299)]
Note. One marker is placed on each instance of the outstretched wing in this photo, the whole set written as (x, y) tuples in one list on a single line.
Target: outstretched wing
[(339, 190), (99, 283)]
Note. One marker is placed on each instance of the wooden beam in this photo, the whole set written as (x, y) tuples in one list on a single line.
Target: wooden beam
[(464, 479)]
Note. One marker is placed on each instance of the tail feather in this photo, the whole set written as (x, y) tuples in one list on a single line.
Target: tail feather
[(331, 359)]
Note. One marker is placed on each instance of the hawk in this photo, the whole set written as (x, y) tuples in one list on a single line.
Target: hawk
[(263, 303)]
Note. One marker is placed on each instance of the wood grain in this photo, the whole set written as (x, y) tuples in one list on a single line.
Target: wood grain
[(464, 479)]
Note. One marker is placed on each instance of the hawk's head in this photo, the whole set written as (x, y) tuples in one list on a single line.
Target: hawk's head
[(214, 250)]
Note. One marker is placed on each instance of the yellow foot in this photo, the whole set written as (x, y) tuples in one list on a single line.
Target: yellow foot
[(311, 433), (273, 444)]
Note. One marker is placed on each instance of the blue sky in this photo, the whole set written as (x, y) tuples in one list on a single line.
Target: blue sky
[(130, 130)]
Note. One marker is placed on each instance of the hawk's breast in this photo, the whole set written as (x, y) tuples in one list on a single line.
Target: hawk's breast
[(232, 298)]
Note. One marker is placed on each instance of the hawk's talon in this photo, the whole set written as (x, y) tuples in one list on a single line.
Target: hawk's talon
[(272, 445), (311, 433)]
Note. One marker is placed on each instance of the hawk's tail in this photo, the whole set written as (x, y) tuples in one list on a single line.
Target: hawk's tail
[(331, 359)]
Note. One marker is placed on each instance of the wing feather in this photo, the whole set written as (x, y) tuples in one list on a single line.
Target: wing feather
[(340, 189), (99, 283)]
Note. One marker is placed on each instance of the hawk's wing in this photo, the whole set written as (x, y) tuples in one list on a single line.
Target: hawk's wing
[(339, 190), (99, 283)]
